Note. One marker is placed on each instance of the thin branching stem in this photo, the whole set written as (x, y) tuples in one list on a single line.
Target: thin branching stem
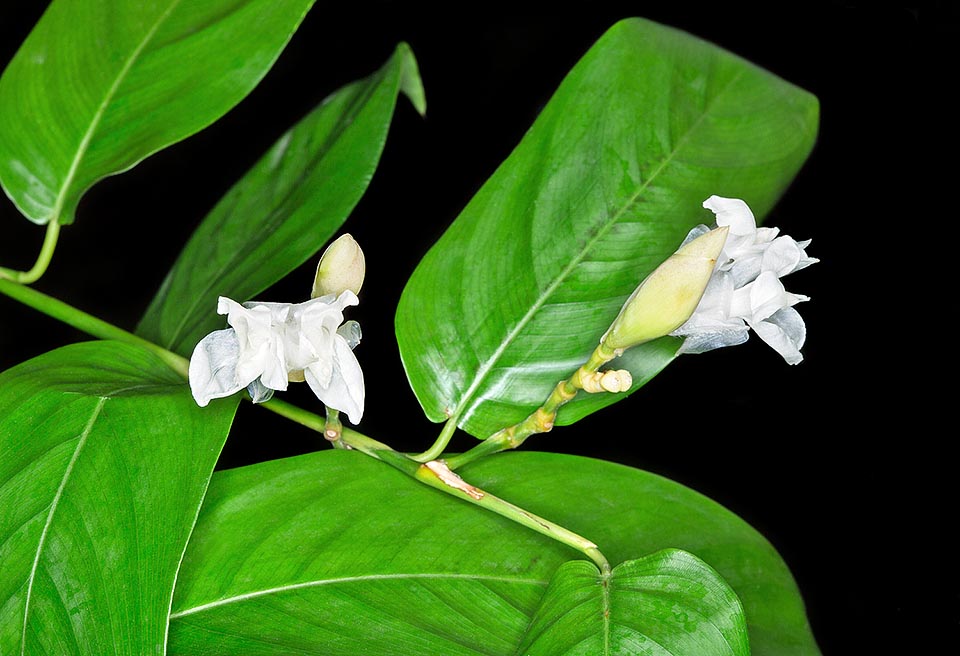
[(434, 452), (43, 258), (88, 323), (540, 420), (434, 473)]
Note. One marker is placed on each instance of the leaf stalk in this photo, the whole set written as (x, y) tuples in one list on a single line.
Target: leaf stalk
[(43, 258), (434, 452)]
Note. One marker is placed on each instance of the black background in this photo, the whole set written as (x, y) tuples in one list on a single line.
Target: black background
[(844, 461)]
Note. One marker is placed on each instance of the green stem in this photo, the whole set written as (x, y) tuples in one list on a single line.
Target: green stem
[(315, 422), (43, 258), (542, 419), (440, 444), (87, 322), (334, 428), (436, 474)]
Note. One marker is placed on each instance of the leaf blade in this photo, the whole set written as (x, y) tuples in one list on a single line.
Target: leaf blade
[(97, 87), (603, 187), (304, 526), (669, 603), (318, 546), (97, 497), (285, 208)]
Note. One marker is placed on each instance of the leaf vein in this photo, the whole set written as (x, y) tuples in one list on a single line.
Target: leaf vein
[(346, 579), (87, 429)]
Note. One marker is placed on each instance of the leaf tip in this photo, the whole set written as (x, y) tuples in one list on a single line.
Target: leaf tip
[(411, 83)]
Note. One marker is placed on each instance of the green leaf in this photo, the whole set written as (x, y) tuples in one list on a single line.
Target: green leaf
[(603, 187), (104, 461), (98, 86), (285, 208), (669, 603), (333, 553)]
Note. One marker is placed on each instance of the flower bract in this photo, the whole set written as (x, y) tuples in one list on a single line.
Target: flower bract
[(668, 296)]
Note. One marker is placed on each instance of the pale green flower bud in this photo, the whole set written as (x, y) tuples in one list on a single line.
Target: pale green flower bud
[(669, 295), (341, 267)]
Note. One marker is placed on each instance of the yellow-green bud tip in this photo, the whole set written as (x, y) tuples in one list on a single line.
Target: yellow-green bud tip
[(669, 295), (341, 267)]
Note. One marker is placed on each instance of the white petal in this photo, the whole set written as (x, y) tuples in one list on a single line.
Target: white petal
[(765, 235), (711, 326), (260, 340), (213, 367), (707, 340), (767, 295), (226, 305), (715, 303), (318, 322), (785, 255), (351, 332), (741, 305), (271, 362), (696, 231), (746, 266), (732, 212), (259, 393), (785, 332), (346, 299), (345, 391)]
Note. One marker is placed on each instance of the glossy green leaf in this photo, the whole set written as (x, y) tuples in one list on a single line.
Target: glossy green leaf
[(335, 554), (285, 208), (98, 86), (602, 188), (104, 461), (669, 603)]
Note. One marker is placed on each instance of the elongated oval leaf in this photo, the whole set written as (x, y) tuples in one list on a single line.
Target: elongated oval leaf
[(104, 460), (320, 554), (604, 186), (98, 86), (669, 603), (285, 208), (335, 554)]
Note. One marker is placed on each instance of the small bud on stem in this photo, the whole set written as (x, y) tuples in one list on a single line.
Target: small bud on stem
[(342, 266)]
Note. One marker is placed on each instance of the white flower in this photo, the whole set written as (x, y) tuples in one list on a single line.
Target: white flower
[(745, 291), (269, 344)]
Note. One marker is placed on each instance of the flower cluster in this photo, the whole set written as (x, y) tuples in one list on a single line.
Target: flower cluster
[(270, 344), (745, 291)]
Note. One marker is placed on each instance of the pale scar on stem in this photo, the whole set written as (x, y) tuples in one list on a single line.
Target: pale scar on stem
[(448, 477)]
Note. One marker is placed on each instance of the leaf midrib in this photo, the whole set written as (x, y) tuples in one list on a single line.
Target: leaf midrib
[(87, 429), (350, 579), (606, 579), (102, 108), (541, 300)]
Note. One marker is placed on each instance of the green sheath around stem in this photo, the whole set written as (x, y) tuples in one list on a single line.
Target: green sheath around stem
[(541, 420)]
